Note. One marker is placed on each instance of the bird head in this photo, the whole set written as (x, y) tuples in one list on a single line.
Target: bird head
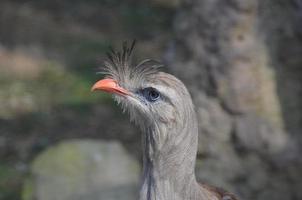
[(150, 96)]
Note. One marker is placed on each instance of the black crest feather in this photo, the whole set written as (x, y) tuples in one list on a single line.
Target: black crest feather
[(121, 58), (118, 66)]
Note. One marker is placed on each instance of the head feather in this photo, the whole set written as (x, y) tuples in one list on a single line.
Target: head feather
[(118, 66)]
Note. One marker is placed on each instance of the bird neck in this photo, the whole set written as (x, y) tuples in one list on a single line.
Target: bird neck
[(169, 162)]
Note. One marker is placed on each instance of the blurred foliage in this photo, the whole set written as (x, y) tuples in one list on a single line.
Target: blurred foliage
[(53, 86), (49, 54), (10, 180)]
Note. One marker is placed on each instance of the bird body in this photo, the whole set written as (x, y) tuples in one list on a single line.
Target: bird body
[(161, 106)]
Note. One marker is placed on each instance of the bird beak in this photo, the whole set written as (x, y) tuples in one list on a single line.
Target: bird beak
[(109, 85)]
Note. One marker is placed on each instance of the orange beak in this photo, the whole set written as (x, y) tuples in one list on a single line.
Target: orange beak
[(109, 85)]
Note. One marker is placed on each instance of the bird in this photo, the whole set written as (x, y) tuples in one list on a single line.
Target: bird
[(161, 106)]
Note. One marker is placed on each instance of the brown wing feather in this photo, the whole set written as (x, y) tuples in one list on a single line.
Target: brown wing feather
[(219, 192)]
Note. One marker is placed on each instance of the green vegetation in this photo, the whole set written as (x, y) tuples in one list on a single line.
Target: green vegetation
[(49, 56), (52, 87), (10, 180)]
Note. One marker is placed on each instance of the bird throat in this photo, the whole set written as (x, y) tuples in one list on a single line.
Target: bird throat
[(168, 163)]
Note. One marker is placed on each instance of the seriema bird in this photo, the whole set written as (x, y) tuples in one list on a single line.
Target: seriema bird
[(161, 106)]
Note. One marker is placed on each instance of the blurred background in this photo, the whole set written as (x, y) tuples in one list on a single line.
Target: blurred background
[(240, 59)]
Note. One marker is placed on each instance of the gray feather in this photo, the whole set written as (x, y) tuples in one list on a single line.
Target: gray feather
[(169, 128)]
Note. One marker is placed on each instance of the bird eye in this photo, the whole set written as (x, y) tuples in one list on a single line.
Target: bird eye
[(151, 94)]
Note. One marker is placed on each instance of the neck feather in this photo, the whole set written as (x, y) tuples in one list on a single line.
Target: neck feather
[(168, 164)]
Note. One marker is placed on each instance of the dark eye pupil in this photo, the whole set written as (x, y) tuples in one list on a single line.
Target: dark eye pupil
[(150, 94), (153, 95)]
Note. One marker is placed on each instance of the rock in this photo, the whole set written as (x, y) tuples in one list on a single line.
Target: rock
[(221, 169), (80, 170), (255, 134), (250, 87), (245, 84), (214, 124)]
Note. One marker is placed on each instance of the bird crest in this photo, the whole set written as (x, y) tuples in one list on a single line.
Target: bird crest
[(118, 66)]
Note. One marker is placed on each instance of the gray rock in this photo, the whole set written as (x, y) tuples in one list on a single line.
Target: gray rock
[(256, 134), (220, 169), (80, 170), (214, 125), (246, 91)]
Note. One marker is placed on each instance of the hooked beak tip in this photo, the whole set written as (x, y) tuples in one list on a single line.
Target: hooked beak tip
[(93, 88)]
